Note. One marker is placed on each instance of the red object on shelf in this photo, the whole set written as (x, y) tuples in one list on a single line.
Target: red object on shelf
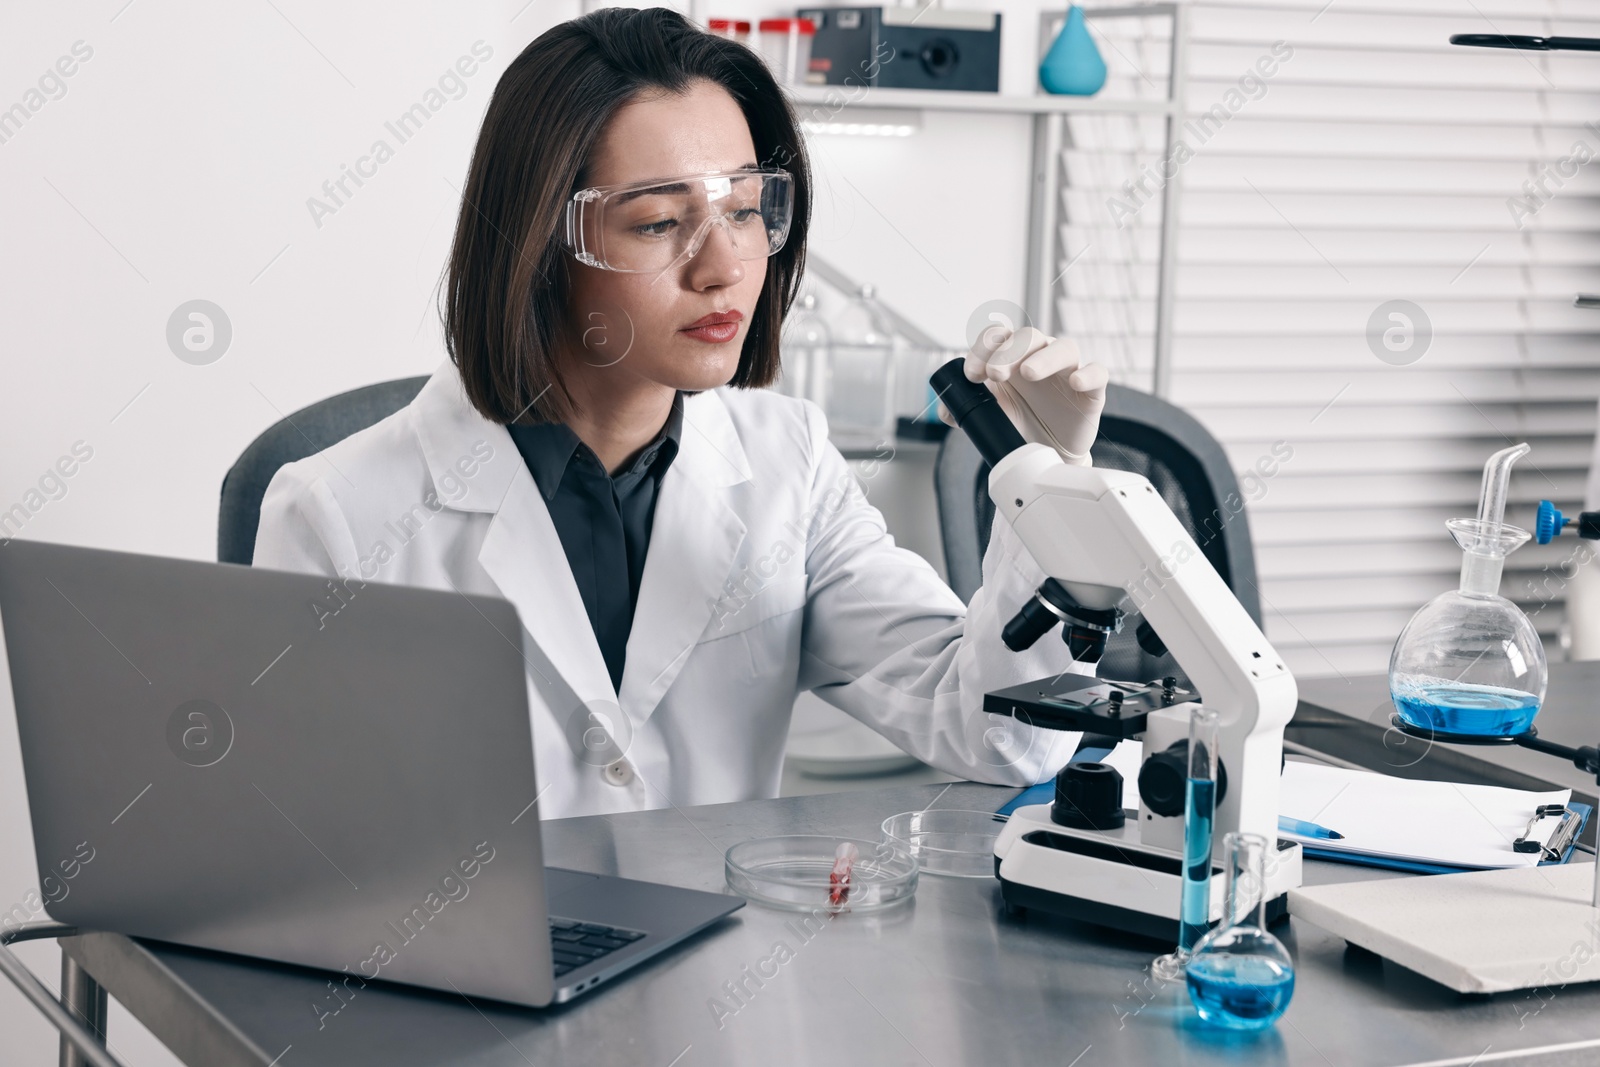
[(805, 26)]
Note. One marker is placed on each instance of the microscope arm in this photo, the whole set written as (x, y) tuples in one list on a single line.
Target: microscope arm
[(1110, 539)]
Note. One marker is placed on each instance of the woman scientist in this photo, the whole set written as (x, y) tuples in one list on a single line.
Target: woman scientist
[(686, 550)]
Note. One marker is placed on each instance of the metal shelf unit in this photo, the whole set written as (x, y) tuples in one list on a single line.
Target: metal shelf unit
[(1048, 137)]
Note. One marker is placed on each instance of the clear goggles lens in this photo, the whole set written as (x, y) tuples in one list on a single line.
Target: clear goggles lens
[(653, 226)]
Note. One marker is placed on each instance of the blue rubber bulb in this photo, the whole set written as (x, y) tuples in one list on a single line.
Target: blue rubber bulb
[(1073, 66), (1547, 525)]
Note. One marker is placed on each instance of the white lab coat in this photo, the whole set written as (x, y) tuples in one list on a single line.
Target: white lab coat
[(768, 573)]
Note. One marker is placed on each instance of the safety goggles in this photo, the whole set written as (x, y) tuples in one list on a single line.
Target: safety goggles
[(644, 227)]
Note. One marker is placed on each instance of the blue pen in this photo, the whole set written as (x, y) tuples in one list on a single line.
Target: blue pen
[(1307, 829)]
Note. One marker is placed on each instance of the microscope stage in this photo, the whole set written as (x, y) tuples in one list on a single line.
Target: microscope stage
[(1092, 705)]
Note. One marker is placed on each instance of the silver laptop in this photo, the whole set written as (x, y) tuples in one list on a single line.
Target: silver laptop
[(328, 774)]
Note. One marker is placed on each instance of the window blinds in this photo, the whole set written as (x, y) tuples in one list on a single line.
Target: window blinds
[(1376, 163)]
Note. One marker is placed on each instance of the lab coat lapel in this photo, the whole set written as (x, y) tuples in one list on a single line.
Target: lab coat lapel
[(694, 540), (521, 551), (523, 554)]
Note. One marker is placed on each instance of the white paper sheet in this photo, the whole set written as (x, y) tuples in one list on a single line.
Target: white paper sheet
[(1433, 822), (1430, 822)]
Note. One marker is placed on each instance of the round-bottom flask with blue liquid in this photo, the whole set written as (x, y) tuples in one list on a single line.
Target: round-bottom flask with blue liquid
[(1239, 976), (1469, 665)]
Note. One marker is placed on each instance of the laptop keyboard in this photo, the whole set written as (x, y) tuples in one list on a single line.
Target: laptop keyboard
[(573, 944)]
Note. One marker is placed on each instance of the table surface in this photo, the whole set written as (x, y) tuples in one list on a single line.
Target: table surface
[(947, 979)]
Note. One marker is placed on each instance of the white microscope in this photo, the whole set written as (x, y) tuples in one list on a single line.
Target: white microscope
[(1111, 547)]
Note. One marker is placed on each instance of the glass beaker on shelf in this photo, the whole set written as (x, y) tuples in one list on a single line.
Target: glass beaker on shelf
[(1240, 976), (806, 347), (860, 386), (1199, 814), (914, 395)]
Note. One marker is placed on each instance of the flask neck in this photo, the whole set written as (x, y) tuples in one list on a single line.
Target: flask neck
[(1247, 881), (1481, 573)]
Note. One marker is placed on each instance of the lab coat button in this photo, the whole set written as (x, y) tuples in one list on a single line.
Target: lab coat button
[(618, 772)]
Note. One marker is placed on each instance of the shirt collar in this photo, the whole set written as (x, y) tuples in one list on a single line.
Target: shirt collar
[(548, 448)]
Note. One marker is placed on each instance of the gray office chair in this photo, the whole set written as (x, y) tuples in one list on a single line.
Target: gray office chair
[(1139, 433), (306, 432)]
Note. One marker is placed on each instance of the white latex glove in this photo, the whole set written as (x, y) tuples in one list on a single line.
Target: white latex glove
[(1050, 394)]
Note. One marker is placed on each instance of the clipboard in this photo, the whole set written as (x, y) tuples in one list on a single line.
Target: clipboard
[(1579, 811), (1551, 832)]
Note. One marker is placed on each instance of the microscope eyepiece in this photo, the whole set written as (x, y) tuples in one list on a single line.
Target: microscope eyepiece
[(977, 412)]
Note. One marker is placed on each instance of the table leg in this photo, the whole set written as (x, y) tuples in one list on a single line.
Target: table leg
[(86, 1000)]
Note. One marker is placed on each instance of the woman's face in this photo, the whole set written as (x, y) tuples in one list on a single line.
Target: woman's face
[(643, 326)]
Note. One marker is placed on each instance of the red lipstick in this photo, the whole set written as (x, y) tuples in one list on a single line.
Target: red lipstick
[(717, 328)]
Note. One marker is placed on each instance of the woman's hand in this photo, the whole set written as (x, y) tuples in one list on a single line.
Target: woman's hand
[(1042, 384)]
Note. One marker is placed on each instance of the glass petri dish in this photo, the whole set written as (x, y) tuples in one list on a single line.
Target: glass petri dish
[(793, 872), (947, 841)]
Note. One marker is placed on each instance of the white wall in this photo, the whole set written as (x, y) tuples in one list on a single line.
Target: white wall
[(177, 166)]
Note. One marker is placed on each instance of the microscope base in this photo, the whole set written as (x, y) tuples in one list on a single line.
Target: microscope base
[(1109, 878)]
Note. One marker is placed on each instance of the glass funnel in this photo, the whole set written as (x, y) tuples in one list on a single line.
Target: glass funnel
[(1240, 976), (860, 386), (807, 351), (1469, 664)]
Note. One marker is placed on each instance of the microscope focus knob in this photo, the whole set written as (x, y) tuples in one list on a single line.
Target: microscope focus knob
[(1164, 780), (1088, 797)]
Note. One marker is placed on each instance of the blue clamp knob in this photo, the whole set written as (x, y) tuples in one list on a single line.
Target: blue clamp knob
[(1547, 527)]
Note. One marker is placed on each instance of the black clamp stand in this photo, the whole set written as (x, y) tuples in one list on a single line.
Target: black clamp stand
[(1585, 757)]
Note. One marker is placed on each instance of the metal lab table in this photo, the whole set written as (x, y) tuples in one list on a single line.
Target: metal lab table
[(944, 980)]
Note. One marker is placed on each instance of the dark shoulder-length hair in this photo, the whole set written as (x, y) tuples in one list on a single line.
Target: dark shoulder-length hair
[(507, 285)]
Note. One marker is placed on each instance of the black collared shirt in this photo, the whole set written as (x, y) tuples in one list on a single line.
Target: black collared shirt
[(603, 520)]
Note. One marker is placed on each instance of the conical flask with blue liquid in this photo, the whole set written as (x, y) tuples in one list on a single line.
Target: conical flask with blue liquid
[(1469, 665)]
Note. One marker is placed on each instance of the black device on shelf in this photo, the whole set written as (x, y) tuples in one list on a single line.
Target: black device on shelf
[(906, 47)]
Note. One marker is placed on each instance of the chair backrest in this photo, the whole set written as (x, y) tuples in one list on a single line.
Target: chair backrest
[(1139, 433), (305, 433)]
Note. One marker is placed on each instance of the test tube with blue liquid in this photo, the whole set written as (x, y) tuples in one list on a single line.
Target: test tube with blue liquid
[(1199, 815)]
